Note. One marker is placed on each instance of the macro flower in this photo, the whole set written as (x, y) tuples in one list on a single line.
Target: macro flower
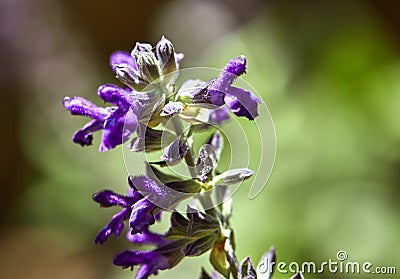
[(136, 102), (185, 238), (147, 237), (136, 208), (142, 67), (117, 123), (196, 96), (150, 262), (147, 109), (240, 101)]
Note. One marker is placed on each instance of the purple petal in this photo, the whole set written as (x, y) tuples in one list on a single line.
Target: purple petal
[(216, 95), (142, 215), (115, 226), (84, 135), (115, 95), (147, 237), (81, 106), (122, 57), (117, 129), (109, 198), (217, 142), (148, 187), (151, 262), (219, 115), (172, 108), (160, 195), (236, 66), (242, 102)]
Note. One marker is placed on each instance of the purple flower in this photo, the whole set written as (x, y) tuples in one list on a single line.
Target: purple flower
[(108, 198), (136, 207), (219, 115), (147, 237), (117, 123), (240, 101), (160, 195), (142, 215), (150, 261), (136, 70)]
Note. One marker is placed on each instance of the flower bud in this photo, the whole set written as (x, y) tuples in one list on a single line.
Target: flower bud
[(232, 177), (166, 55), (172, 108), (174, 152), (141, 47), (147, 65), (126, 74)]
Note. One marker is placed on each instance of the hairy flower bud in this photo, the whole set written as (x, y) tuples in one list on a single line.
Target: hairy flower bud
[(166, 55), (126, 74), (140, 47), (147, 65), (232, 177)]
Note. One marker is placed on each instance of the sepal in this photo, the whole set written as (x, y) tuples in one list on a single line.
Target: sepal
[(246, 270), (266, 266), (232, 177)]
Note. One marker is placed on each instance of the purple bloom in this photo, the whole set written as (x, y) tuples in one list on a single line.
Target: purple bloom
[(108, 198), (160, 195), (117, 123), (122, 57), (150, 261), (241, 102), (136, 70), (219, 115), (142, 216), (118, 128), (164, 257), (147, 237), (115, 226), (136, 207)]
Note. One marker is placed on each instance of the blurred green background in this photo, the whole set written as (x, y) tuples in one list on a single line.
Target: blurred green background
[(329, 72)]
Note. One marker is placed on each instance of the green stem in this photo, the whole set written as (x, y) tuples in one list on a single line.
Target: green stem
[(179, 130), (205, 200), (231, 256)]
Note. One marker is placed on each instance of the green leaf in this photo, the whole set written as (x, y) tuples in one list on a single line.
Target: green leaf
[(157, 175), (185, 186)]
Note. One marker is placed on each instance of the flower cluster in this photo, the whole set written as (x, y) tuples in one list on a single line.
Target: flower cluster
[(142, 108)]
